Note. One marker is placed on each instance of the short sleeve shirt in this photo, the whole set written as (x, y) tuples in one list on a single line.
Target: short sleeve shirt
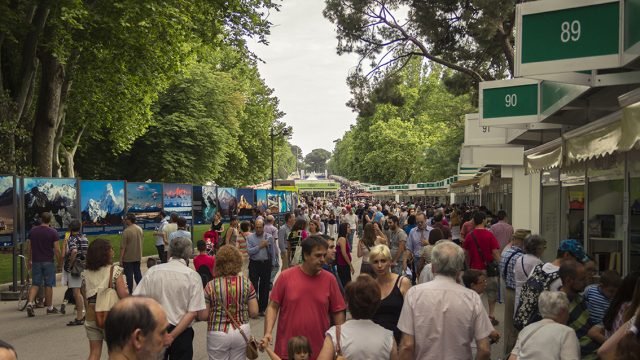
[(42, 239), (78, 242), (487, 243), (232, 291), (305, 304)]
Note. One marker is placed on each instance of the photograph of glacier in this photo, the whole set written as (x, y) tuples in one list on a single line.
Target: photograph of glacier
[(7, 207), (58, 196), (102, 204), (205, 204)]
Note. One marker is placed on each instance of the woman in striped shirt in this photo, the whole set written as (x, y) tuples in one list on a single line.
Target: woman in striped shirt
[(228, 294)]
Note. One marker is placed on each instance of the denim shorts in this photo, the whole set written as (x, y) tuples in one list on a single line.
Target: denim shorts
[(43, 273)]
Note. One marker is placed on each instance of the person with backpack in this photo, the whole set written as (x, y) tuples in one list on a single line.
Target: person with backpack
[(508, 261), (545, 277)]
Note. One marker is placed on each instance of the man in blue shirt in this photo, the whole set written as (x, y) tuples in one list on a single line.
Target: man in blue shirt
[(260, 247), (418, 237)]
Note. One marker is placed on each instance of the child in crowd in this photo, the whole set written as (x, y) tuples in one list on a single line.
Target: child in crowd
[(598, 296), (204, 259), (476, 280), (298, 348)]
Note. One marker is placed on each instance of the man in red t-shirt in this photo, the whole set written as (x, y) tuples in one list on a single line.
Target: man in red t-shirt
[(302, 299), (488, 244)]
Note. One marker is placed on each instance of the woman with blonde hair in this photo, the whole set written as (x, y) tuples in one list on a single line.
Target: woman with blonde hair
[(231, 300), (393, 287)]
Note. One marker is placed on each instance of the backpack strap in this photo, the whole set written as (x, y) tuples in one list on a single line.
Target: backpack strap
[(506, 265), (478, 247)]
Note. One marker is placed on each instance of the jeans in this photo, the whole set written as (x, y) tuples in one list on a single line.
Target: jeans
[(131, 271), (260, 276), (182, 346), (43, 274), (350, 239), (161, 253)]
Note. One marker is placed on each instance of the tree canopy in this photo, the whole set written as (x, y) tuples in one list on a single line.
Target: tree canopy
[(410, 129), (317, 159)]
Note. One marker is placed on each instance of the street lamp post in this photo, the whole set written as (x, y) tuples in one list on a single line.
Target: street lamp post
[(273, 134)]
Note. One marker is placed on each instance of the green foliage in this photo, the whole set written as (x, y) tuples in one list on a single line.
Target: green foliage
[(316, 160), (411, 132), (472, 37)]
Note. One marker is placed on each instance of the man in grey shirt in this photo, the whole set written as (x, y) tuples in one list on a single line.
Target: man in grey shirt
[(283, 235), (260, 247)]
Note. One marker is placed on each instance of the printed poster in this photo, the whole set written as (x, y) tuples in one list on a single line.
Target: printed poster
[(102, 204), (227, 202), (261, 200), (178, 199), (7, 210), (205, 204), (273, 201), (55, 195), (246, 203), (145, 201)]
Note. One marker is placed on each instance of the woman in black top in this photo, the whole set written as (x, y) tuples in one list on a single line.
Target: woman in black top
[(393, 287)]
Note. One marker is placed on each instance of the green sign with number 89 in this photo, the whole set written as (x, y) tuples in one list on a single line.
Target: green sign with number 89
[(571, 33)]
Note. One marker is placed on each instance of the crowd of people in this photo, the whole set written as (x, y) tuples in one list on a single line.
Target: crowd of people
[(425, 273)]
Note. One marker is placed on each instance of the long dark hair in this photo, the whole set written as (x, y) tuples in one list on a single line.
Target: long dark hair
[(343, 229), (369, 235), (623, 295), (300, 224)]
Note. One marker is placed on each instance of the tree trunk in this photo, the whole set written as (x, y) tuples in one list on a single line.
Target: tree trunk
[(57, 148), (47, 114)]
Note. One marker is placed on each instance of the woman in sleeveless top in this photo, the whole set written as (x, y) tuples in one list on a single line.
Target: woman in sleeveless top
[(393, 287), (343, 255), (96, 277)]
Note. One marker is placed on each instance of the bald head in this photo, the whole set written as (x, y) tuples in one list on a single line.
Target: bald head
[(136, 324)]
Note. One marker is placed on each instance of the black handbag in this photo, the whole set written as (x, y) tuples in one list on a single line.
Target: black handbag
[(493, 268)]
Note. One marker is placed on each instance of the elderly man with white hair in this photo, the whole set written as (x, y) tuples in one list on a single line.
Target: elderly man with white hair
[(548, 338), (441, 317), (178, 288)]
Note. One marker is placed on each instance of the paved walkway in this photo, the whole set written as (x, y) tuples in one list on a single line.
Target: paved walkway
[(48, 337)]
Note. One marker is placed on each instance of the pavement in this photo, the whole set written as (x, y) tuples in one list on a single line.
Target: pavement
[(48, 337)]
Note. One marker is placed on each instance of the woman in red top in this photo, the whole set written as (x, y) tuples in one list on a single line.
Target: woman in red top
[(343, 255)]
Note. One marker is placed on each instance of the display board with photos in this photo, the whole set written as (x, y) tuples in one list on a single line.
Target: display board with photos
[(227, 202), (59, 196), (178, 198), (144, 200), (8, 206), (102, 204), (205, 204), (246, 203)]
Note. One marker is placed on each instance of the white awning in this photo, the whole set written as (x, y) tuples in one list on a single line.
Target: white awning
[(630, 127), (544, 157), (595, 139)]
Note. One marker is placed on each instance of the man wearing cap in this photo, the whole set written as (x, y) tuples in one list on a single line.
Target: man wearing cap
[(507, 265), (569, 249)]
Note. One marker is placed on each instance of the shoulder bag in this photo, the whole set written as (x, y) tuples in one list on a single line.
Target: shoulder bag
[(339, 355), (252, 345), (493, 268), (105, 300)]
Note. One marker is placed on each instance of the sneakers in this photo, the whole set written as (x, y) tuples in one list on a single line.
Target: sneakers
[(30, 312), (63, 309), (53, 311)]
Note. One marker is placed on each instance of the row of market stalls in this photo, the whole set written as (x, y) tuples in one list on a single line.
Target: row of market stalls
[(558, 146)]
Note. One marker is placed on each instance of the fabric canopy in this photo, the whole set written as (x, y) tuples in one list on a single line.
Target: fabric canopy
[(594, 140), (630, 127), (545, 157)]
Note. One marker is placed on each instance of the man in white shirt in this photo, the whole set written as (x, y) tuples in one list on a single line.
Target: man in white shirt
[(178, 289), (159, 234), (442, 316)]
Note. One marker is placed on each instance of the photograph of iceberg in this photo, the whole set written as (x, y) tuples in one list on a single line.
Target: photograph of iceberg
[(7, 207), (58, 196), (102, 204), (145, 201), (205, 204), (178, 199)]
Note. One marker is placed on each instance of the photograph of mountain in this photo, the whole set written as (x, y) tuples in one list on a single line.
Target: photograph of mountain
[(56, 195), (272, 201), (205, 204), (145, 201), (178, 199), (261, 200), (227, 202), (102, 204), (246, 202), (7, 207)]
